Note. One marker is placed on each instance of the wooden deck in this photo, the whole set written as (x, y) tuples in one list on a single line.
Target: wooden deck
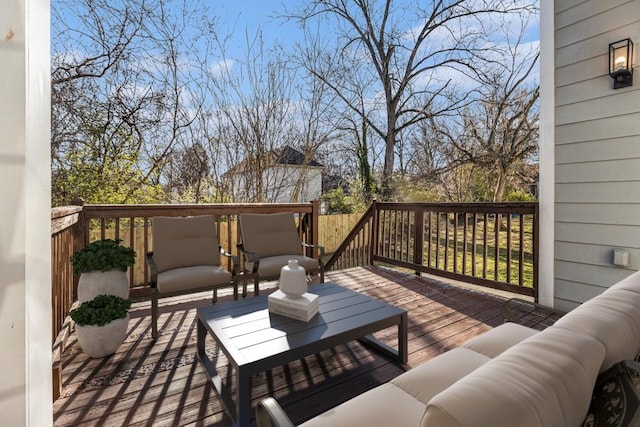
[(160, 384)]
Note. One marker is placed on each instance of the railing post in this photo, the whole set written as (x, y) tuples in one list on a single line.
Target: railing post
[(418, 241), (315, 221), (79, 240), (373, 244)]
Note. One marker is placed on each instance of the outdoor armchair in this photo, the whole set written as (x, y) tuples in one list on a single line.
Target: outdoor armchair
[(268, 242), (186, 258)]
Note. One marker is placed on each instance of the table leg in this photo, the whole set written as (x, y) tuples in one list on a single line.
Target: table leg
[(403, 345), (214, 378), (243, 398)]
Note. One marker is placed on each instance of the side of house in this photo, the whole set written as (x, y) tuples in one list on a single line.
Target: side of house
[(596, 150), (284, 176)]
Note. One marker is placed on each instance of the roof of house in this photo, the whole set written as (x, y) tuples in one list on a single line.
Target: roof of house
[(285, 155)]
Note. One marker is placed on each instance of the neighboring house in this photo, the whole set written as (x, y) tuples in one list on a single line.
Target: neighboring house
[(590, 151), (284, 175)]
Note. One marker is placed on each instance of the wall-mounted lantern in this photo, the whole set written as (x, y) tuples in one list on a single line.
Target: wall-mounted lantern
[(621, 63)]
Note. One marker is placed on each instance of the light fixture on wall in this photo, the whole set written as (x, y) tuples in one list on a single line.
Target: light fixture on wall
[(621, 63)]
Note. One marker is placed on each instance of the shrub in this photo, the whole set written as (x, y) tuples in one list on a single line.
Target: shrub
[(100, 310), (103, 255)]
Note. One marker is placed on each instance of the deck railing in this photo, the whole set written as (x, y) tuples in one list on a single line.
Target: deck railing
[(489, 244)]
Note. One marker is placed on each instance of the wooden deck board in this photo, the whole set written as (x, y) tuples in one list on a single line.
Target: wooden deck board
[(160, 384)]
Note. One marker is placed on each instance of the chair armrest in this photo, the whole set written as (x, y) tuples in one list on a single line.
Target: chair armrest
[(255, 257), (270, 414), (234, 260), (153, 268), (319, 247)]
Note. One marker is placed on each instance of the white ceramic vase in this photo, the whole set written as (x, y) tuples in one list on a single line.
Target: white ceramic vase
[(94, 283), (293, 279), (101, 341)]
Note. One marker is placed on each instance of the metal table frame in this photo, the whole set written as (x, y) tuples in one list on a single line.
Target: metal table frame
[(344, 316)]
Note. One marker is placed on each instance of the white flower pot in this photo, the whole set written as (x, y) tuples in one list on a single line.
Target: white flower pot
[(293, 279), (94, 283), (101, 341)]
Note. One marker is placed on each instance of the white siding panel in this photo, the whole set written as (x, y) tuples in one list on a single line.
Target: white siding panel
[(618, 214), (619, 102), (596, 255), (579, 10), (577, 291), (600, 192), (591, 151), (589, 275), (621, 236), (600, 129), (602, 171)]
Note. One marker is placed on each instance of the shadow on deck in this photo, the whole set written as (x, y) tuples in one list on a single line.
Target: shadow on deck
[(160, 384)]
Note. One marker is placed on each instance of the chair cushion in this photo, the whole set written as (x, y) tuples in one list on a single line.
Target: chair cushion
[(270, 266), (492, 343), (385, 405), (190, 278), (546, 380), (270, 234), (184, 242), (430, 378)]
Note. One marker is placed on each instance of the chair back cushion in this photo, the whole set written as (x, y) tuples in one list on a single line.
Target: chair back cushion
[(184, 242), (270, 234)]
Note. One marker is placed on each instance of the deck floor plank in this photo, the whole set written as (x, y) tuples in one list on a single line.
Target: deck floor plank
[(160, 384)]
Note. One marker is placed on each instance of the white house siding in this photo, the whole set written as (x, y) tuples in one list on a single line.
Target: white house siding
[(597, 150), (284, 180)]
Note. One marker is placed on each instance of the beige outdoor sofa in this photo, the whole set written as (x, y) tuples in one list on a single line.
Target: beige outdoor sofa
[(268, 242), (509, 376), (186, 258)]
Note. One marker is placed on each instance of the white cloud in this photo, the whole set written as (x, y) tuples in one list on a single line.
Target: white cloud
[(221, 67)]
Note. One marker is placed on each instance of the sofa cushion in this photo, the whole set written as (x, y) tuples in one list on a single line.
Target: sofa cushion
[(495, 341), (612, 318), (430, 378), (385, 405), (631, 283), (546, 380)]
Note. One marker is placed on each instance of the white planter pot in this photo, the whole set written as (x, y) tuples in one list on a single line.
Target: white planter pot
[(101, 341), (112, 282), (293, 279)]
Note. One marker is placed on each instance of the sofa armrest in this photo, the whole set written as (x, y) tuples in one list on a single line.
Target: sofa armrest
[(252, 256), (270, 414)]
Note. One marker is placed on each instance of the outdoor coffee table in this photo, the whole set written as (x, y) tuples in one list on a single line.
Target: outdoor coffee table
[(255, 340)]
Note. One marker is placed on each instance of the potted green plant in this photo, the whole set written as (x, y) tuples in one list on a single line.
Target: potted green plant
[(101, 324), (102, 266)]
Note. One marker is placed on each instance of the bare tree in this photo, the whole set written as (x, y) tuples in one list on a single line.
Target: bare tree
[(126, 84), (262, 106), (499, 132), (403, 45)]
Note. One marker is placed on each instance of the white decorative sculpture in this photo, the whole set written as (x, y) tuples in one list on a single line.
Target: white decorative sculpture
[(293, 279)]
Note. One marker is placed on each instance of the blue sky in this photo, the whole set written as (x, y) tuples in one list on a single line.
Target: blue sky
[(241, 16)]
